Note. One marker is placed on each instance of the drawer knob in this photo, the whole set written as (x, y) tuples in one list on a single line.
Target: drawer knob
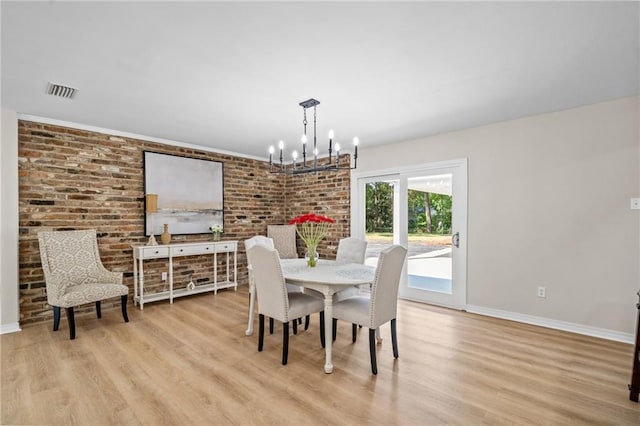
[(157, 252)]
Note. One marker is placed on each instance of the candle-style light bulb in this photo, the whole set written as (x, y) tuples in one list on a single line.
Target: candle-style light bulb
[(330, 134), (304, 139), (294, 155), (337, 148), (356, 141), (281, 145)]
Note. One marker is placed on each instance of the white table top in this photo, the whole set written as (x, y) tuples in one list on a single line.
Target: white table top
[(327, 272)]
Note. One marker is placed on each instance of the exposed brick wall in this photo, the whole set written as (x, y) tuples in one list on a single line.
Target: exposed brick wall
[(76, 179)]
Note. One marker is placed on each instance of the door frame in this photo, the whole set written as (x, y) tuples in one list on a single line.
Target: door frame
[(460, 185)]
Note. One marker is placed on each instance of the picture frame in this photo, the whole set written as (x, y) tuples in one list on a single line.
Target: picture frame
[(190, 193)]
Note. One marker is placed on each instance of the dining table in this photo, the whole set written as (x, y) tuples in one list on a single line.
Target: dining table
[(327, 277)]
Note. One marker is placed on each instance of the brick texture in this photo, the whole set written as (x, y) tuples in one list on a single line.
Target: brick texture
[(77, 179)]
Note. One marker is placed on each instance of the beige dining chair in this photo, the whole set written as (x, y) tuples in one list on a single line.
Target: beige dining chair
[(378, 308), (284, 240), (274, 300), (74, 274), (266, 242)]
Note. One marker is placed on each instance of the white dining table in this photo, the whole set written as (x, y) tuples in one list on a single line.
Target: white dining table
[(327, 277)]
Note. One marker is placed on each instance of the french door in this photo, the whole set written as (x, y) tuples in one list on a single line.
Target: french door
[(424, 209)]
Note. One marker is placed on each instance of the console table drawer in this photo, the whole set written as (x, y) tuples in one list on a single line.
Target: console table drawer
[(226, 247), (154, 252), (192, 250)]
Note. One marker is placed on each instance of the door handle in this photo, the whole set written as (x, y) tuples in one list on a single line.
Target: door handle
[(455, 239)]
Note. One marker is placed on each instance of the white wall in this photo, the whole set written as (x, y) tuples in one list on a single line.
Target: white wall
[(9, 310), (548, 206)]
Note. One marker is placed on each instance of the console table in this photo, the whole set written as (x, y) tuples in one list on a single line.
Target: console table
[(171, 251)]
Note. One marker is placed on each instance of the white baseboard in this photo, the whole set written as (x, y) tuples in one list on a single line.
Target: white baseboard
[(555, 324), (10, 328)]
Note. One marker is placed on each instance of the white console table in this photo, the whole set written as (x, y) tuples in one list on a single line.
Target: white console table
[(170, 251)]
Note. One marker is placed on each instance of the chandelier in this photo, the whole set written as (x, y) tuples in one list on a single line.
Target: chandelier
[(311, 165)]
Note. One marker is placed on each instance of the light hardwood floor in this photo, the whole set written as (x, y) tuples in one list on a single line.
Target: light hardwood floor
[(190, 363)]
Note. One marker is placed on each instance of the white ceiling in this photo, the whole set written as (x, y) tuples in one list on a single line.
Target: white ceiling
[(230, 75)]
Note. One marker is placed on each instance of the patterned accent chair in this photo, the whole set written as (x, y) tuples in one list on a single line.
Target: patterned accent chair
[(74, 274), (284, 240)]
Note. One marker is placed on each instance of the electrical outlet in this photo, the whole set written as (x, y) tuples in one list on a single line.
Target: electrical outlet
[(164, 276), (635, 204), (542, 292)]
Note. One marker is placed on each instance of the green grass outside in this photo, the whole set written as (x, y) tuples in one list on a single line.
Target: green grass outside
[(417, 237)]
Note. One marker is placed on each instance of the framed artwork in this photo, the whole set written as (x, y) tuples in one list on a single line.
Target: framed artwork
[(190, 194)]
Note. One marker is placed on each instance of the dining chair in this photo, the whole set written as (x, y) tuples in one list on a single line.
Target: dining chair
[(266, 242), (351, 250), (275, 301), (74, 274), (284, 240), (378, 308)]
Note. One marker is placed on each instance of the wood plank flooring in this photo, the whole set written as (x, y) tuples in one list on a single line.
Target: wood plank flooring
[(190, 363)]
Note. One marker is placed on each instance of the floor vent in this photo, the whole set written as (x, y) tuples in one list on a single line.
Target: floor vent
[(55, 89)]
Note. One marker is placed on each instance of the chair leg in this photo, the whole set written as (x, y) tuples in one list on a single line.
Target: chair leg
[(295, 326), (394, 338), (372, 350), (334, 329), (322, 328), (354, 329), (98, 310), (72, 323), (123, 304), (260, 332), (56, 318), (285, 341), (270, 325), (306, 322)]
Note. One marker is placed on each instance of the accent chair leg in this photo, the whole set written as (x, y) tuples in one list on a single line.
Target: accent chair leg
[(56, 318), (270, 325), (123, 304), (354, 330), (322, 328), (306, 322), (394, 338), (285, 341), (372, 350), (260, 332), (334, 330), (98, 310), (72, 323), (295, 326)]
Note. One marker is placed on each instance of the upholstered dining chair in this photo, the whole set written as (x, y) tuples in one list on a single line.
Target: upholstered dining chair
[(284, 240), (266, 242), (274, 300), (378, 308), (74, 274), (350, 250)]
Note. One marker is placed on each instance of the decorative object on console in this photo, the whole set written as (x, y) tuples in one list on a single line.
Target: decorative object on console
[(190, 192), (216, 230), (312, 166), (151, 207), (312, 228), (166, 236)]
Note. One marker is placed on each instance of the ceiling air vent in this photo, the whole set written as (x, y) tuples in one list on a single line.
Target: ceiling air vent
[(55, 89)]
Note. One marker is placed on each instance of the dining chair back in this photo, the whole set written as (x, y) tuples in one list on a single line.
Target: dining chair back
[(351, 250), (381, 306), (284, 240), (274, 300), (74, 274)]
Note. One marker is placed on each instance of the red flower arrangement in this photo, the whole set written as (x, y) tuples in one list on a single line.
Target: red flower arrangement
[(312, 228)]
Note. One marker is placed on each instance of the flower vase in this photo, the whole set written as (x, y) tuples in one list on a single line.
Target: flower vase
[(166, 236), (216, 236), (311, 256)]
